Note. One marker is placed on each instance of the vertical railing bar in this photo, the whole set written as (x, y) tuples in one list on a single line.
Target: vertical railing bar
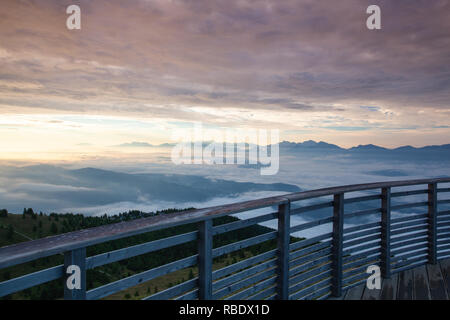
[(386, 232), (337, 249), (283, 240), (75, 274), (205, 243), (432, 222)]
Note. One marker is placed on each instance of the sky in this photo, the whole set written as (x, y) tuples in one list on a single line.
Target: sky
[(140, 69)]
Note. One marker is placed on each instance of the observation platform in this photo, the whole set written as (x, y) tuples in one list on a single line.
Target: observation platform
[(427, 282)]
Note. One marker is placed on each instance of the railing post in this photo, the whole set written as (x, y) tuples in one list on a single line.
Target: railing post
[(75, 274), (283, 239), (338, 233), (386, 232), (432, 223), (205, 260)]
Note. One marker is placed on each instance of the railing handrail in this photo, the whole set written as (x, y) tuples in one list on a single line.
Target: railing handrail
[(360, 187), (31, 250)]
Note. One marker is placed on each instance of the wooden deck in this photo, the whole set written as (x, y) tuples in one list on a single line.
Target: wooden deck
[(430, 282)]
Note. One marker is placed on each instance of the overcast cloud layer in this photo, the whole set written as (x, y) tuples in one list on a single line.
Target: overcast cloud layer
[(307, 67)]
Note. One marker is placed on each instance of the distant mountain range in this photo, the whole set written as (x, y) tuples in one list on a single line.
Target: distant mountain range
[(439, 153), (309, 145)]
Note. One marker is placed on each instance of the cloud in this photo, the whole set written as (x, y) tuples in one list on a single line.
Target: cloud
[(370, 108), (135, 144), (93, 191), (296, 59)]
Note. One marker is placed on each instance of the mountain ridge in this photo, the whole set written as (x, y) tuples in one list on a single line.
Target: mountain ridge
[(310, 144)]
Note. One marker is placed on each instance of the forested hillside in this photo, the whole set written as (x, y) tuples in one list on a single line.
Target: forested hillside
[(30, 225)]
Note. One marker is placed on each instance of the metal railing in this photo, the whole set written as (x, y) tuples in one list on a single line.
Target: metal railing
[(351, 234)]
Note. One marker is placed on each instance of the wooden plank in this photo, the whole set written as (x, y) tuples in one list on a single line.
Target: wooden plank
[(264, 293), (407, 225), (364, 246), (138, 278), (361, 255), (244, 243), (243, 223), (444, 213), (389, 288), (351, 280), (308, 266), (310, 281), (409, 258), (320, 294), (421, 247), (375, 241), (245, 282), (309, 273), (405, 289), (128, 252), (338, 244), (31, 280), (436, 281), (444, 241), (302, 294), (223, 272), (409, 230), (189, 296), (445, 269), (362, 213), (409, 205), (205, 243), (409, 218), (307, 242), (311, 207), (409, 242), (443, 224), (311, 224), (283, 239), (409, 236), (362, 227), (174, 291), (362, 268), (310, 257), (253, 289), (219, 284), (407, 193), (361, 234), (409, 264), (360, 262), (355, 293), (363, 198), (346, 286), (421, 286), (310, 249), (443, 219)]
